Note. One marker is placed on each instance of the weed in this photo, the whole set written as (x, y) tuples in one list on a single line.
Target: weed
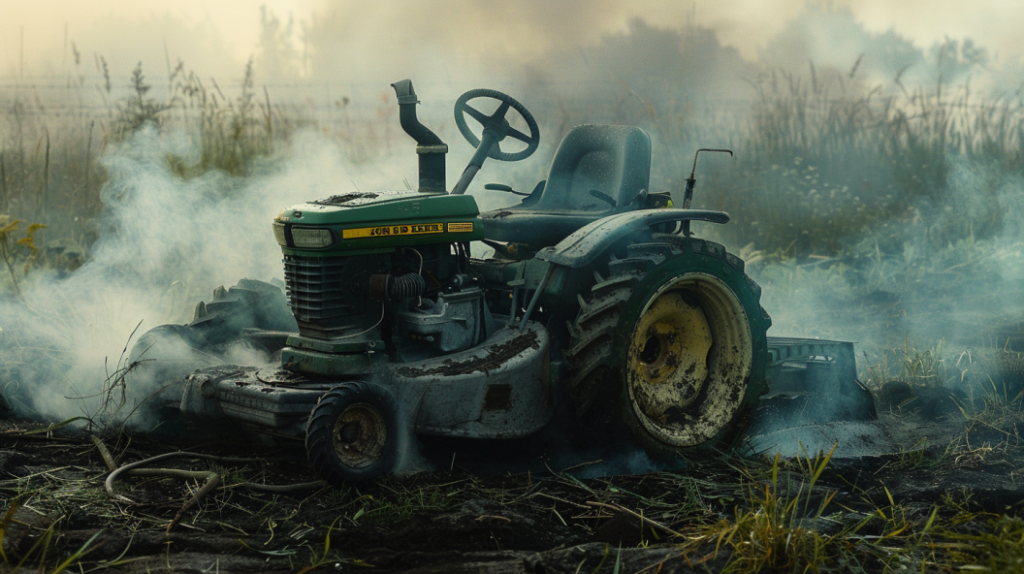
[(779, 529), (136, 111), (916, 367), (825, 157), (40, 548), (23, 248), (996, 411), (990, 544), (326, 556), (229, 135), (918, 457), (408, 500)]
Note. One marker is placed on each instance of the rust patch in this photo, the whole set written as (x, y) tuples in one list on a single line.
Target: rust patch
[(344, 198), (498, 398), (495, 357)]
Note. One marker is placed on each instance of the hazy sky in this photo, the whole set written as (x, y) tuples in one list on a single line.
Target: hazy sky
[(221, 33)]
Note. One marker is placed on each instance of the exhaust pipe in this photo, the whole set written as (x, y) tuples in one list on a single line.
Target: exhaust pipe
[(429, 147)]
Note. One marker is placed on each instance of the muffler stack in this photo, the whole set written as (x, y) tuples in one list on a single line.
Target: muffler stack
[(430, 148)]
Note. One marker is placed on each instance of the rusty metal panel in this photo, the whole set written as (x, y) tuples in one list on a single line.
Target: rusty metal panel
[(499, 389), (822, 371)]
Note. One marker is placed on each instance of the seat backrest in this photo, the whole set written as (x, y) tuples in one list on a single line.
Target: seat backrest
[(615, 160)]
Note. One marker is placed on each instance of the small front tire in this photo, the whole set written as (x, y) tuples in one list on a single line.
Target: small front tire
[(352, 434)]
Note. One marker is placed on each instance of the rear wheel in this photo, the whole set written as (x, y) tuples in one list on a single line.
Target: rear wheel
[(352, 434), (672, 346)]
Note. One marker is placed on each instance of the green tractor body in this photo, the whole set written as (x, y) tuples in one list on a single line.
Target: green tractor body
[(598, 305), (378, 222)]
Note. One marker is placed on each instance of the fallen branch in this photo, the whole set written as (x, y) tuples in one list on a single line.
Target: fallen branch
[(152, 472), (113, 476), (43, 433), (56, 426), (492, 517), (279, 488), (212, 480), (105, 453), (582, 464), (640, 517)]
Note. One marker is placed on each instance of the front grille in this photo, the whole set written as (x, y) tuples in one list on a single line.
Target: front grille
[(316, 288), (329, 296)]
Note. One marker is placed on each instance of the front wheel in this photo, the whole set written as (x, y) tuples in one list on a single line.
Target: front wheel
[(672, 346), (352, 434)]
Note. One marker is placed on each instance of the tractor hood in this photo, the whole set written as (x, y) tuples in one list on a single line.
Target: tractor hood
[(376, 221)]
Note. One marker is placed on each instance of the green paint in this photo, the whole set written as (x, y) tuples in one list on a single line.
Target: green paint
[(382, 221), (331, 364)]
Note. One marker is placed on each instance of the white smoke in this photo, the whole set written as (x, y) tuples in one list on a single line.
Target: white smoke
[(165, 244)]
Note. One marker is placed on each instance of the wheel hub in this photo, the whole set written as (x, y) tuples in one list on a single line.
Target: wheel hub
[(359, 435), (669, 366)]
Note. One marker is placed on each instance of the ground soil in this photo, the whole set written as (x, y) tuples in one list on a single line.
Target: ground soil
[(484, 507)]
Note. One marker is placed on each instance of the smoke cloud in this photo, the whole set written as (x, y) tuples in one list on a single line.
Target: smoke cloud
[(165, 243)]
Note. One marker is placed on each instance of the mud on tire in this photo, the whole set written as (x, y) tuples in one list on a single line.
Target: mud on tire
[(352, 434), (671, 347)]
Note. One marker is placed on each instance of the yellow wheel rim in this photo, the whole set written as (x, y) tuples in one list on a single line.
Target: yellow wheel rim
[(669, 369), (689, 360), (359, 435)]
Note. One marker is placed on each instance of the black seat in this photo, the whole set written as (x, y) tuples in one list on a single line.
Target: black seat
[(614, 160)]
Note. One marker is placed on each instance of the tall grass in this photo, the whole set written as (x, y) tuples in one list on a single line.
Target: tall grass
[(48, 164), (229, 134), (825, 159), (822, 158), (51, 145)]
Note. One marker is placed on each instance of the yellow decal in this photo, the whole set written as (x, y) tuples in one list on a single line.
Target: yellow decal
[(393, 230), (460, 227)]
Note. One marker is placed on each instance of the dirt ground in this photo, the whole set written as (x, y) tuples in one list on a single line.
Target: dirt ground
[(507, 507)]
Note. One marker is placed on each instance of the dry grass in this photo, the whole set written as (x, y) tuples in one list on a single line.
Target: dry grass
[(826, 158), (909, 364), (776, 529)]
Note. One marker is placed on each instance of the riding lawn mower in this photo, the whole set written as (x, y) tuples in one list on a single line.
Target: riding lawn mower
[(598, 305)]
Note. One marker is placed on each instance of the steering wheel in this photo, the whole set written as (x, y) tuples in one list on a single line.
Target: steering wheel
[(497, 123)]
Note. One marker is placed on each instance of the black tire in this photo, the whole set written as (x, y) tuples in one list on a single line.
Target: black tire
[(219, 325), (672, 346), (352, 434), (250, 304), (173, 351), (163, 356), (158, 364)]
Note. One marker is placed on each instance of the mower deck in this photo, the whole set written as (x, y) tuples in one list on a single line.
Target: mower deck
[(499, 389)]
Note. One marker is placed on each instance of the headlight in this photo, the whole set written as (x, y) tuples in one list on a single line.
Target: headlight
[(311, 237), (279, 234)]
